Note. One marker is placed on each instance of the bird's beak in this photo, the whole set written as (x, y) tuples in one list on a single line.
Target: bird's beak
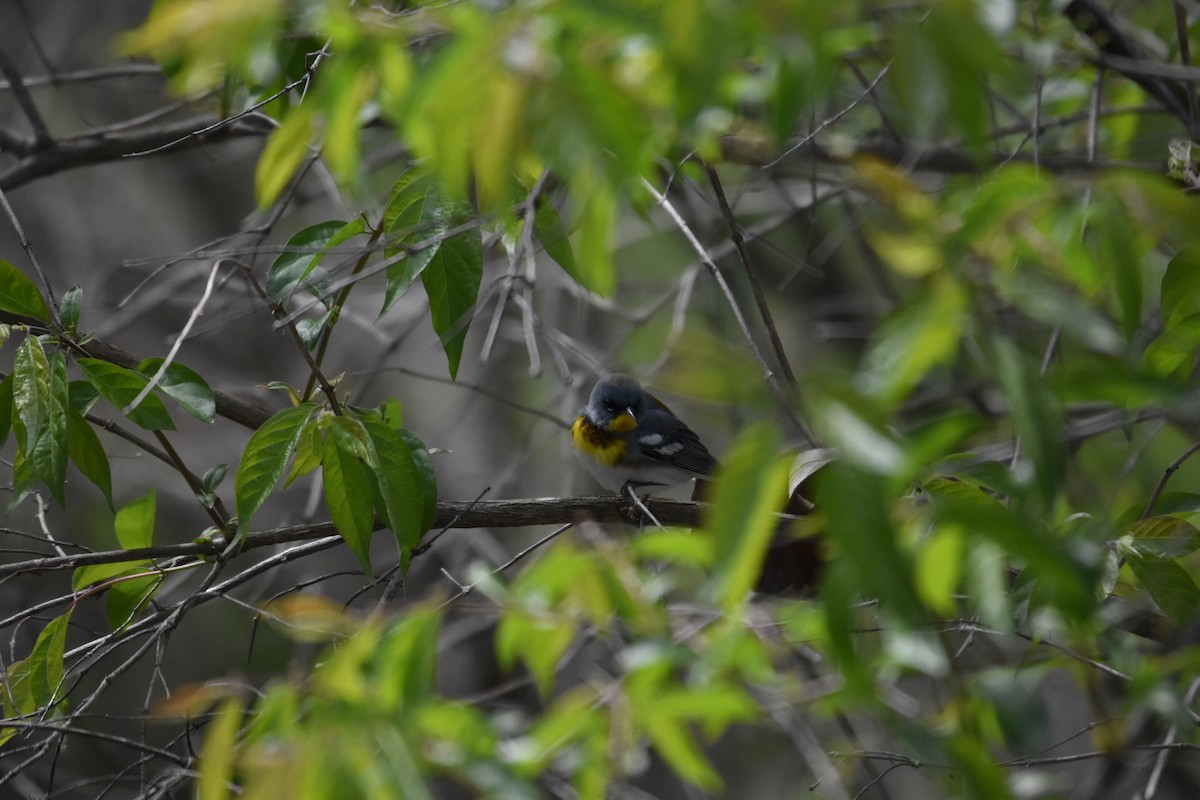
[(625, 421)]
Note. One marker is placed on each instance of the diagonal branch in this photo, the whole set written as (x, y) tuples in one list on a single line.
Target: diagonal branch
[(41, 134)]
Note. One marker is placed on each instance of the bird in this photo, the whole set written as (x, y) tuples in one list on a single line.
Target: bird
[(627, 439)]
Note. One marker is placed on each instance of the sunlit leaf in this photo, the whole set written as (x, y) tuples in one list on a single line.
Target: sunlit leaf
[(939, 567), (134, 523), (750, 487), (217, 753), (597, 221), (922, 335), (286, 149)]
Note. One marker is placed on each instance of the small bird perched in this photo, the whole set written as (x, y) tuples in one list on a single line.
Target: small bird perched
[(628, 438)]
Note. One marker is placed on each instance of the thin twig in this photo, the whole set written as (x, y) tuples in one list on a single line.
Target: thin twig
[(179, 340), (252, 110), (20, 91), (27, 246), (760, 299), (813, 133), (1166, 476), (707, 261)]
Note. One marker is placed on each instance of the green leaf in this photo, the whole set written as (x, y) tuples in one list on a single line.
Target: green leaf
[(1067, 578), (69, 307), (348, 491), (91, 574), (309, 247), (1020, 713), (83, 397), (128, 598), (452, 281), (183, 385), (1035, 416), (1168, 584), (597, 223), (310, 449), (1180, 294), (1173, 352), (922, 335), (424, 463), (286, 149), (31, 392), (6, 408), (548, 227), (46, 661), (86, 452), (264, 459), (414, 213), (121, 387), (673, 741), (1167, 536), (18, 294), (410, 651), (749, 488), (1118, 254), (399, 482), (939, 567), (218, 753), (134, 524), (49, 454), (854, 502)]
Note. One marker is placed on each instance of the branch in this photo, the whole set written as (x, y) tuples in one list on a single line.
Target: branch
[(232, 408), (1121, 50), (450, 514), (97, 148), (41, 134)]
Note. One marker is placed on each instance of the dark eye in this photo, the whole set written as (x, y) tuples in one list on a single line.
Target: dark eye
[(610, 405)]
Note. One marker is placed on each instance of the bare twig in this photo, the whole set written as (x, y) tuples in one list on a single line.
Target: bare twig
[(760, 299), (16, 83), (197, 310), (707, 261)]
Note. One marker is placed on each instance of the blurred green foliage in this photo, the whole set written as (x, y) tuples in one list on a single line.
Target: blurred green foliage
[(1030, 301)]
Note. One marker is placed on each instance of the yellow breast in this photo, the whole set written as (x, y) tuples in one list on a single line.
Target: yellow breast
[(597, 443)]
